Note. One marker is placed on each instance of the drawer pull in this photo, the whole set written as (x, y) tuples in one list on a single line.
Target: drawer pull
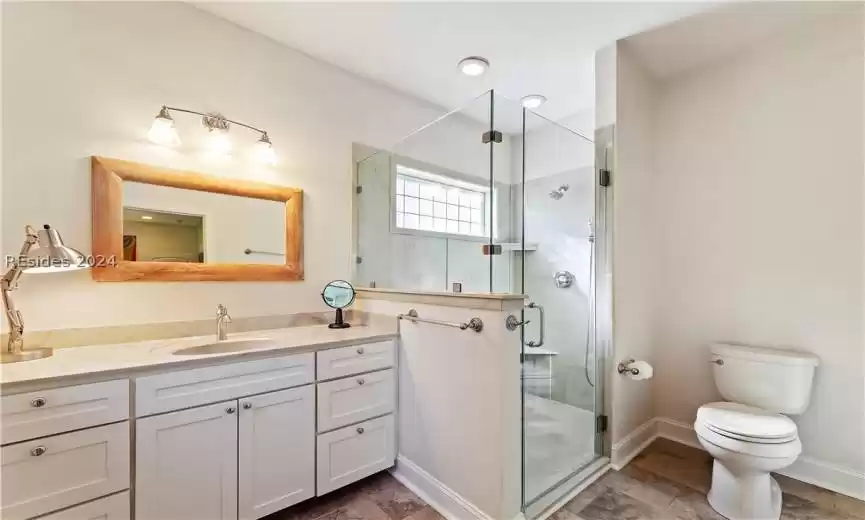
[(39, 402), (230, 409), (360, 431), (361, 381), (38, 450), (360, 351), (247, 406)]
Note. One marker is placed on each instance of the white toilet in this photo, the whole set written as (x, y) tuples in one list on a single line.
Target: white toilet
[(749, 437)]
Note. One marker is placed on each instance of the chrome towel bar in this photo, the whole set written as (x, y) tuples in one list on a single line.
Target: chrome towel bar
[(474, 324)]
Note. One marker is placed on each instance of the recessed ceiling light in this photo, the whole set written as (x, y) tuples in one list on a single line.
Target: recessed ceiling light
[(473, 65), (146, 217), (533, 100)]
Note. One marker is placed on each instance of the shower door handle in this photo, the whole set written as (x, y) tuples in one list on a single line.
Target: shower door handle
[(540, 342)]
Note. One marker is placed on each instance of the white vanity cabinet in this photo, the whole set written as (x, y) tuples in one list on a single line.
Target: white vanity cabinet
[(241, 458), (357, 436), (58, 450)]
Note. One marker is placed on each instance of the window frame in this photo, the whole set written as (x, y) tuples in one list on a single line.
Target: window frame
[(429, 173)]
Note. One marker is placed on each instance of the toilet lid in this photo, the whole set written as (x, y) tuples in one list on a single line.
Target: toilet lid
[(746, 423)]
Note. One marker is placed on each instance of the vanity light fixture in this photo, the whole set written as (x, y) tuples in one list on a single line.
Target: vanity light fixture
[(473, 65), (264, 150), (42, 252), (164, 132), (533, 101)]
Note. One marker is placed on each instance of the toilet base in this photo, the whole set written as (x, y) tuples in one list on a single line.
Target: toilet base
[(739, 493)]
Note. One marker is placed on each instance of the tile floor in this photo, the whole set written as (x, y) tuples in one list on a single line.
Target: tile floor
[(669, 481), (379, 497)]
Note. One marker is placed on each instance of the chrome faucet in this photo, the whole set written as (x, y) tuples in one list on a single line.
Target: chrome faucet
[(222, 320)]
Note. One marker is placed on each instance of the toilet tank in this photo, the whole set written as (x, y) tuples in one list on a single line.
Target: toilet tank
[(772, 379)]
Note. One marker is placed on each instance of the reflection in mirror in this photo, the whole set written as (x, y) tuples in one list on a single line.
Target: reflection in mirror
[(167, 224), (155, 236), (338, 295)]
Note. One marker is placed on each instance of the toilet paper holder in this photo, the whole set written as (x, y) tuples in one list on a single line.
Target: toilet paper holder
[(625, 368)]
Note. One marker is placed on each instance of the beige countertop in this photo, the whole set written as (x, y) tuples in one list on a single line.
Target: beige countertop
[(93, 363)]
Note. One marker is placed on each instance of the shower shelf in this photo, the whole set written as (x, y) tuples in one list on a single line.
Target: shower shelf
[(518, 247)]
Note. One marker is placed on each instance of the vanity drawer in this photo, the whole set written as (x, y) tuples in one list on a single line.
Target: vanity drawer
[(187, 388), (354, 399), (355, 452), (37, 414), (346, 361), (48, 474), (115, 507)]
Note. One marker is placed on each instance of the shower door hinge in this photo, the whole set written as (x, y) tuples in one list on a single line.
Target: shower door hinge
[(358, 260), (604, 177), (602, 424), (358, 190), (492, 249), (493, 136)]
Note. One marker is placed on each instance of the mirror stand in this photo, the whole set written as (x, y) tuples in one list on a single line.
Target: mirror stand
[(339, 322)]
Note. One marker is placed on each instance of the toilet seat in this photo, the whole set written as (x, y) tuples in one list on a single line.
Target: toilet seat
[(748, 430), (747, 423)]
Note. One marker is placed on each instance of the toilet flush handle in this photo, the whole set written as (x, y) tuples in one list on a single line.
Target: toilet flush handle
[(719, 362)]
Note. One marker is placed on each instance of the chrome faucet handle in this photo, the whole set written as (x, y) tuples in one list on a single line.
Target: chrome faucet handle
[(222, 312)]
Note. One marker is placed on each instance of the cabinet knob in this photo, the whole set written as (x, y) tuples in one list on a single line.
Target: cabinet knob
[(361, 381), (247, 406), (38, 450), (230, 409), (360, 350), (360, 431), (39, 402)]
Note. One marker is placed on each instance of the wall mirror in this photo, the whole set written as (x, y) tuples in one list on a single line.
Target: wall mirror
[(152, 223)]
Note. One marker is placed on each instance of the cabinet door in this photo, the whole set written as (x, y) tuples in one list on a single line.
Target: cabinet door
[(115, 507), (186, 464), (51, 473), (353, 399), (277, 451), (355, 452)]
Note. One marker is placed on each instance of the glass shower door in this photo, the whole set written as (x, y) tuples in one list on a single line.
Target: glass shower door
[(555, 265)]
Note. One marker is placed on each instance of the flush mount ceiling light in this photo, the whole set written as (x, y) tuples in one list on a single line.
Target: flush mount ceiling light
[(533, 100), (473, 65), (146, 217), (164, 132)]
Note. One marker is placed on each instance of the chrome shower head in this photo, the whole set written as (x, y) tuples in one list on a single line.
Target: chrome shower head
[(559, 192)]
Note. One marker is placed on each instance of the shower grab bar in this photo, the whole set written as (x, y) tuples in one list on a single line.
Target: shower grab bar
[(542, 331), (475, 324)]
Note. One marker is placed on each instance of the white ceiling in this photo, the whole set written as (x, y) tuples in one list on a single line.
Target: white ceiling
[(533, 48)]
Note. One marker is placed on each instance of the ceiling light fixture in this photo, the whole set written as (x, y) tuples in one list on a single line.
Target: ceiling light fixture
[(164, 132), (473, 65), (533, 100), (146, 217)]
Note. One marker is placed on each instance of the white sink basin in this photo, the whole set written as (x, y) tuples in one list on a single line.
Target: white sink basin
[(224, 347)]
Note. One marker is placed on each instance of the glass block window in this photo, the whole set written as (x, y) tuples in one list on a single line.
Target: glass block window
[(429, 202)]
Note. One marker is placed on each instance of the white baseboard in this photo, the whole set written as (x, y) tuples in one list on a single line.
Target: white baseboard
[(807, 469), (635, 442), (432, 491)]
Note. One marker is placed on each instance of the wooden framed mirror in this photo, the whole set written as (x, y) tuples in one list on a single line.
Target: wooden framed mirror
[(158, 224)]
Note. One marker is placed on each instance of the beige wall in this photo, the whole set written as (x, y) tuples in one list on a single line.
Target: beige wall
[(759, 194), (88, 78)]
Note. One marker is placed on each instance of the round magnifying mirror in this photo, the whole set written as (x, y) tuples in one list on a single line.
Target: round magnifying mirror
[(338, 295)]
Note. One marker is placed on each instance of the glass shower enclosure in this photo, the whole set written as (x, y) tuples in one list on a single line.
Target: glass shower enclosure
[(495, 198)]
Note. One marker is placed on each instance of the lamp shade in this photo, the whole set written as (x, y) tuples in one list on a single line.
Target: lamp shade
[(49, 255)]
